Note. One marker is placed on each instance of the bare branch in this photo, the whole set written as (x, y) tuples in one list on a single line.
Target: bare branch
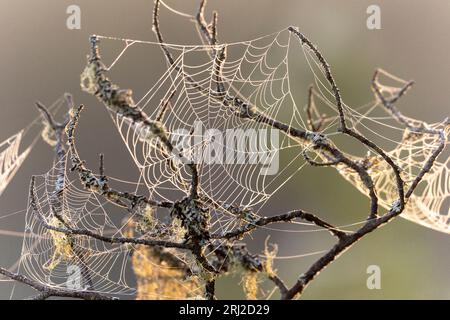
[(287, 217), (49, 291), (210, 289), (203, 25), (428, 164), (84, 232), (47, 116), (158, 34), (315, 125), (164, 105), (389, 104), (208, 32), (346, 130), (328, 74), (349, 240), (319, 164)]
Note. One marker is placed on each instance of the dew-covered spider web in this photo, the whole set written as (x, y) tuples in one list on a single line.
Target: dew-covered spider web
[(11, 158), (51, 257), (188, 98), (429, 205), (81, 262), (238, 171), (11, 155), (242, 163)]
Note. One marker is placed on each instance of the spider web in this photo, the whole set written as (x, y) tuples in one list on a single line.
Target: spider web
[(11, 159), (258, 71), (51, 257), (429, 205)]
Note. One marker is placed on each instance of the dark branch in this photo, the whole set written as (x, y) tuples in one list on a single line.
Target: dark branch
[(314, 125), (68, 230), (287, 217), (346, 130), (158, 34), (48, 291)]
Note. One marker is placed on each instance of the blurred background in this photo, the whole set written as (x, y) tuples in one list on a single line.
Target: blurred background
[(41, 59)]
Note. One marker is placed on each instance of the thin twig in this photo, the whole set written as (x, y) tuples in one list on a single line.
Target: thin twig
[(47, 291), (315, 125), (287, 217)]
